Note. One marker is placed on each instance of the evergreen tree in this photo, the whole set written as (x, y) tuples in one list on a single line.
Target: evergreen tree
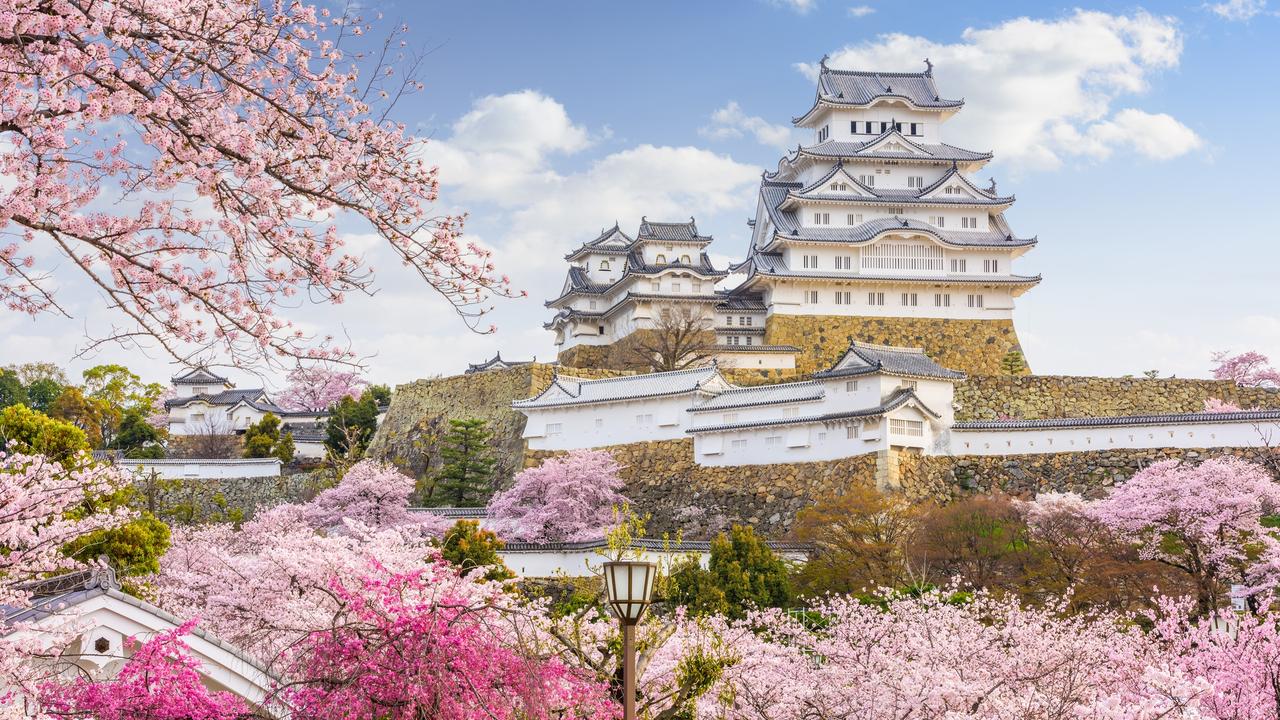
[(351, 425), (260, 438), (137, 438), (11, 390), (467, 546), (381, 394), (466, 477), (285, 449), (1013, 363), (742, 573), (42, 392)]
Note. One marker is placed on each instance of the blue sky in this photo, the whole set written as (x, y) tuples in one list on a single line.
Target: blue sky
[(1139, 140)]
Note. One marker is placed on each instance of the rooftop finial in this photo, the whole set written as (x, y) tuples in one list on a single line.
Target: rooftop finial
[(928, 68), (992, 189), (823, 62)]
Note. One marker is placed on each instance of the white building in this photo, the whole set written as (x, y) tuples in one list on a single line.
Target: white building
[(877, 216), (574, 413), (874, 398), (207, 403)]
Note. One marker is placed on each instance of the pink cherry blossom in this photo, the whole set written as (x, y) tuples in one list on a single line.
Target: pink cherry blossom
[(315, 388), (571, 497), (1248, 369)]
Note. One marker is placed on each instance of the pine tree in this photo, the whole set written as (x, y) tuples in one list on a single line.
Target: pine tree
[(261, 437), (1013, 363), (284, 449), (466, 477)]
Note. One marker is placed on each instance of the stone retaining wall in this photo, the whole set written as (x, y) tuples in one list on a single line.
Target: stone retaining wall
[(974, 346), (1052, 396), (190, 501)]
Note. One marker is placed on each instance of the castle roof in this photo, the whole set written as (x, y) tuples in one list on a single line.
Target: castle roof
[(757, 395), (874, 150), (495, 363), (674, 232), (899, 398), (611, 241), (866, 358), (1122, 420), (199, 375), (771, 264), (254, 396), (862, 88), (741, 302), (578, 282), (567, 390)]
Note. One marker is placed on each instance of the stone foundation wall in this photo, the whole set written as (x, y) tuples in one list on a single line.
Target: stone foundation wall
[(974, 346), (1090, 474), (662, 480), (191, 501), (1050, 396)]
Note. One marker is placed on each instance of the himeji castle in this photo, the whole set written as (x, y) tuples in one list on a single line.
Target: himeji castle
[(874, 230)]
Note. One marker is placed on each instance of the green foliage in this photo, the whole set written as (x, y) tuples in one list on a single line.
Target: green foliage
[(381, 394), (466, 476), (11, 390), (1013, 363), (133, 549), (42, 392), (37, 433), (467, 546), (285, 448), (742, 572), (136, 438), (260, 438), (88, 414), (351, 425)]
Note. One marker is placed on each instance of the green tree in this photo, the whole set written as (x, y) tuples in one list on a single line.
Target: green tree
[(381, 394), (84, 412), (351, 424), (467, 546), (260, 438), (136, 438), (12, 391), (117, 390), (285, 449), (1013, 363), (42, 392), (466, 475), (38, 434), (742, 572), (133, 549), (30, 372)]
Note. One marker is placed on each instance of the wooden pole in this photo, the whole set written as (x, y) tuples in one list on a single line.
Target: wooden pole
[(628, 672)]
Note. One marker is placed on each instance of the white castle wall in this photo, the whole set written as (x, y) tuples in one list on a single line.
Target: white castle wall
[(1199, 434)]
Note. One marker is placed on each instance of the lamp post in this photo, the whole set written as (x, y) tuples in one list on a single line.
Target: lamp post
[(629, 584)]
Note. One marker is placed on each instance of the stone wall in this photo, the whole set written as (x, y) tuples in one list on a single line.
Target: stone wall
[(974, 346), (941, 479), (1049, 396), (196, 501), (662, 480)]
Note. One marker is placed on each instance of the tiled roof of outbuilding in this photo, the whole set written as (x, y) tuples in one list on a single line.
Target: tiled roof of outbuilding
[(762, 395), (866, 358), (577, 391), (1246, 416), (893, 402)]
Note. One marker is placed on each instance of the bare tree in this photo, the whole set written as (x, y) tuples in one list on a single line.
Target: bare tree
[(212, 438), (681, 337)]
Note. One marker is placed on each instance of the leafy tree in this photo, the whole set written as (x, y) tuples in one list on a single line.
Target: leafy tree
[(84, 412), (466, 476), (859, 541), (38, 434), (467, 546), (117, 391), (42, 392), (32, 372), (134, 549), (137, 438), (381, 394), (981, 540), (1013, 363), (11, 390), (742, 572), (261, 437), (350, 426), (285, 448)]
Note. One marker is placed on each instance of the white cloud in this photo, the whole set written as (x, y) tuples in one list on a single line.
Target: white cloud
[(1035, 87), (802, 7), (858, 11), (1238, 10), (731, 122)]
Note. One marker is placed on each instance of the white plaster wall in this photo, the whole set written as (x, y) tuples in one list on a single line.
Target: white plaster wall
[(787, 298), (800, 442), (839, 120), (1186, 435), (601, 424), (756, 360), (207, 469)]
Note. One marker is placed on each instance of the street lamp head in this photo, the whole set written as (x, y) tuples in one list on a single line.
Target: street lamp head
[(629, 584)]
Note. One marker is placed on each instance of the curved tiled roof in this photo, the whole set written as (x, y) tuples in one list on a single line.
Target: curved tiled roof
[(200, 374), (865, 358), (1246, 416), (757, 395), (772, 265), (861, 88), (893, 402), (580, 391), (611, 241), (225, 397), (673, 231), (495, 361), (935, 152)]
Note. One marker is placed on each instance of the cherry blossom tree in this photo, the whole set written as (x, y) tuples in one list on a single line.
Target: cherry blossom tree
[(569, 497), (160, 681), (1204, 520), (374, 495), (1248, 369), (193, 162), (315, 388)]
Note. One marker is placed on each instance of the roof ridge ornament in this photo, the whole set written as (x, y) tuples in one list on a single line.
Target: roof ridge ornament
[(823, 62), (992, 189), (928, 70)]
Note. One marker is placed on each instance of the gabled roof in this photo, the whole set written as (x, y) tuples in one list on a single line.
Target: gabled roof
[(865, 359), (611, 241), (225, 397), (899, 398), (199, 374), (901, 196), (567, 390), (862, 88), (495, 363), (840, 173), (742, 397), (742, 302), (675, 232), (637, 266), (927, 152), (954, 176)]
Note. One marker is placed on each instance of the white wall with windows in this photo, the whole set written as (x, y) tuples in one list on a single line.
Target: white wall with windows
[(607, 423), (1186, 434), (886, 299)]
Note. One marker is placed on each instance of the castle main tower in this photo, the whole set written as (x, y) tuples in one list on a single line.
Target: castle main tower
[(876, 231)]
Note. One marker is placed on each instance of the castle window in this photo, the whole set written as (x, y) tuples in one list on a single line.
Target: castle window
[(898, 210), (915, 181), (975, 301), (200, 390), (854, 219), (600, 329), (884, 126), (868, 180), (875, 298), (915, 128), (662, 259), (811, 262), (824, 133), (644, 420), (773, 441), (851, 432), (811, 297), (909, 385), (851, 386), (844, 262), (938, 220), (604, 265), (868, 130), (685, 259), (959, 265), (655, 286), (790, 412), (910, 428), (821, 218), (554, 429), (844, 297), (730, 418), (991, 266), (909, 299), (749, 320), (738, 444), (822, 437), (942, 300), (902, 256), (748, 339)]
